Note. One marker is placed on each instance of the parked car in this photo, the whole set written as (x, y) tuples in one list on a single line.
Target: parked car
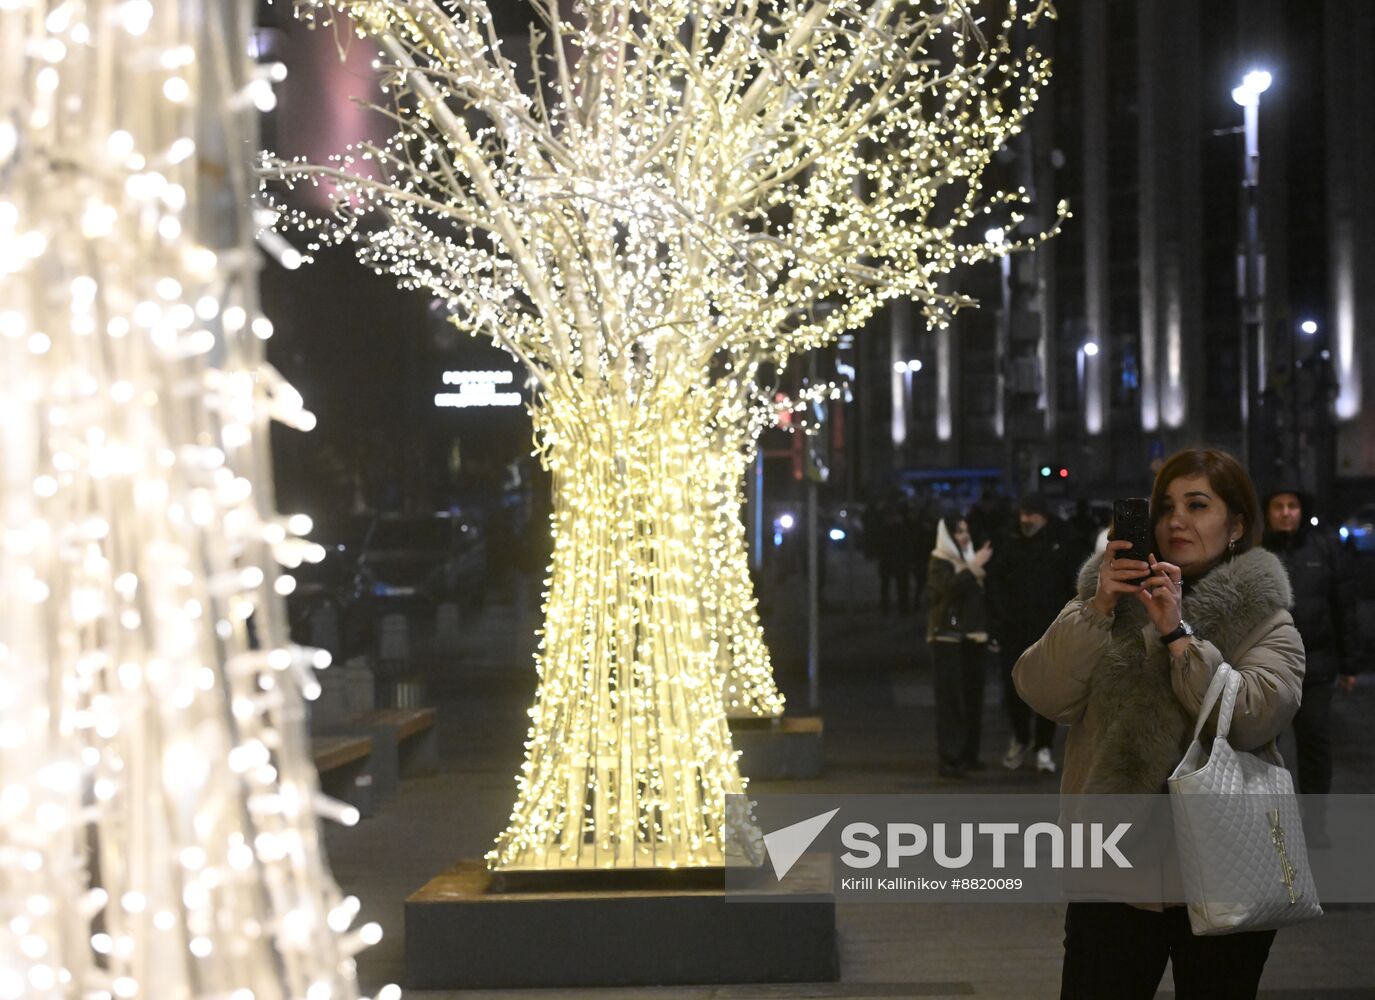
[(1358, 530), (324, 587), (418, 562)]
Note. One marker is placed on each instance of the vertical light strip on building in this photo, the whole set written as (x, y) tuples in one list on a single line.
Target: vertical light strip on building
[(1095, 214), (1173, 401), (1093, 392), (944, 424), (1344, 366), (897, 380)]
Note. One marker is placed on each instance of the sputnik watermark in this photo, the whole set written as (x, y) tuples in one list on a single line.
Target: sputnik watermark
[(910, 840), (940, 847), (994, 847)]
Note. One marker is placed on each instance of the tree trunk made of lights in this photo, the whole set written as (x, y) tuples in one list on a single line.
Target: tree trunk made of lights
[(159, 805), (749, 688), (629, 758)]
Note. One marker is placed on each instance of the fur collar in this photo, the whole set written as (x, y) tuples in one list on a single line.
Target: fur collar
[(1144, 729)]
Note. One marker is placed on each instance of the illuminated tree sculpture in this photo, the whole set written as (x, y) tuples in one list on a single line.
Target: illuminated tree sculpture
[(158, 805), (664, 206), (729, 607)]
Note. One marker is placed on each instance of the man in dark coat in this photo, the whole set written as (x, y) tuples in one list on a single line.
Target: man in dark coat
[(889, 537), (1325, 615), (1030, 578)]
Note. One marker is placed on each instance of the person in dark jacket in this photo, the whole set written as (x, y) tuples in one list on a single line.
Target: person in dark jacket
[(889, 537), (1029, 582), (957, 634), (924, 540), (1325, 615)]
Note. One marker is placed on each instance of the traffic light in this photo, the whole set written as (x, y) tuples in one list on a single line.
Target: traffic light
[(1045, 472), (1064, 473)]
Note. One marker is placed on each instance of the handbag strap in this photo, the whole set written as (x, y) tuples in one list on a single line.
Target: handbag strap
[(1225, 684)]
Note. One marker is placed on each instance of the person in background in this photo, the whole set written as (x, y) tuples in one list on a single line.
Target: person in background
[(1085, 523), (1126, 665), (1029, 581), (1325, 615), (957, 634), (889, 533), (988, 516), (927, 516)]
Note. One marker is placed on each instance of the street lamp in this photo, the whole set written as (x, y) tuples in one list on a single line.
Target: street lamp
[(1309, 326), (1252, 292), (1090, 350), (907, 369), (1253, 84)]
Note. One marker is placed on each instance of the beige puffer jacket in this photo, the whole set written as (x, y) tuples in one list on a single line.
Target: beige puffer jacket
[(1131, 706)]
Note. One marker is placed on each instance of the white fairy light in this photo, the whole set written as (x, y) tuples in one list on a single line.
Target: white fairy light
[(141, 718), (262, 95), (176, 89), (181, 150), (643, 229)]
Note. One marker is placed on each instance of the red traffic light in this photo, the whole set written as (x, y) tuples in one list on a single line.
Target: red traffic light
[(1064, 473)]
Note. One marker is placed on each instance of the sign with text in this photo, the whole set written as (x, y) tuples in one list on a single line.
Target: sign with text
[(473, 389)]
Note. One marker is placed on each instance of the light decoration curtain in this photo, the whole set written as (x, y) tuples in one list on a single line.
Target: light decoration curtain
[(159, 809), (687, 189)]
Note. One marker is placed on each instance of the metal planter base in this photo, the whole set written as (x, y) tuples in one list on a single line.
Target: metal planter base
[(468, 928), (790, 746)]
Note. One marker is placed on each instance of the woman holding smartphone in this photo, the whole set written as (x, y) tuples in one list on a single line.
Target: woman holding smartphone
[(1126, 665)]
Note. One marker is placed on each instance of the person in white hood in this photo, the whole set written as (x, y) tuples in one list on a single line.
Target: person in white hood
[(957, 634)]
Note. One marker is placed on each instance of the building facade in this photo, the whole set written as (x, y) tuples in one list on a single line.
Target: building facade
[(1124, 339)]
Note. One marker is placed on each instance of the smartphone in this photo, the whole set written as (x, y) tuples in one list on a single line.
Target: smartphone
[(1131, 522)]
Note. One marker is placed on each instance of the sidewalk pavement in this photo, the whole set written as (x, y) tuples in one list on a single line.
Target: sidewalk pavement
[(877, 705)]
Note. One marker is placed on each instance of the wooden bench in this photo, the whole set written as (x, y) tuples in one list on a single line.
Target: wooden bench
[(342, 762), (413, 732), (400, 741)]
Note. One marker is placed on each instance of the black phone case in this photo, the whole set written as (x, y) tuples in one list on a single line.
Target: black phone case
[(1131, 522)]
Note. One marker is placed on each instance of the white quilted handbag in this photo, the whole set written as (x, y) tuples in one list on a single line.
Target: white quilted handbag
[(1242, 854)]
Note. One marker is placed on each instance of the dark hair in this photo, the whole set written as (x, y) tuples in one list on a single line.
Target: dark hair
[(1226, 475), (1034, 503)]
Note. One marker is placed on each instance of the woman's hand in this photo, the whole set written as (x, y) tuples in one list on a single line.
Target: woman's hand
[(1163, 596), (984, 554), (1117, 577)]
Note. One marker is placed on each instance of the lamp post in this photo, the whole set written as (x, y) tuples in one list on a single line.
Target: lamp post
[(1251, 267), (1297, 436)]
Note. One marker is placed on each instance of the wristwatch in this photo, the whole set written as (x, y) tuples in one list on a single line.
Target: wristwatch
[(1184, 629)]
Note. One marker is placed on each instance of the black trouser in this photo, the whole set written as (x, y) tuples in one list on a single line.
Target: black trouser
[(890, 571), (959, 682), (1313, 737), (1019, 713), (1116, 952), (918, 584)]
